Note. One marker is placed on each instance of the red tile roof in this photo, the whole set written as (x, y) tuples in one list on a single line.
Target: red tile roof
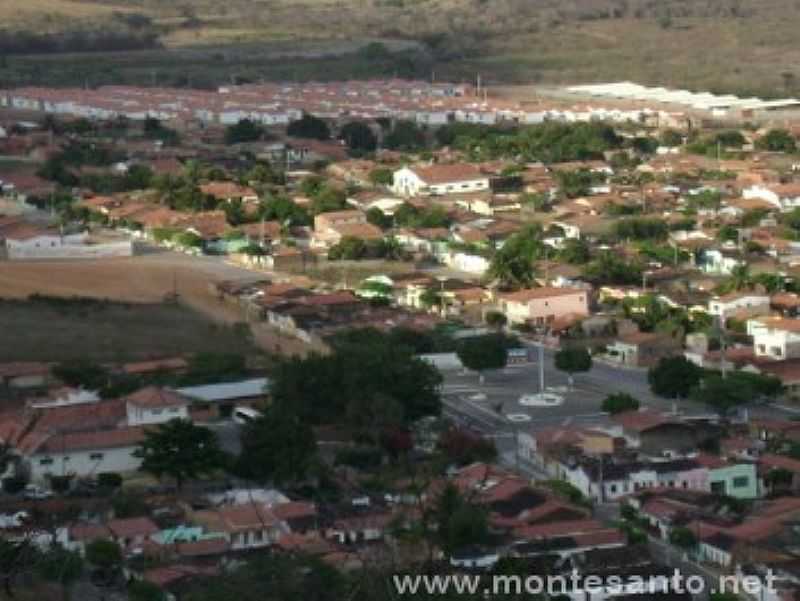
[(565, 528), (294, 510), (140, 367), (85, 441), (23, 368), (529, 294), (639, 421), (444, 174), (132, 527), (779, 462), (88, 532), (251, 516), (153, 397)]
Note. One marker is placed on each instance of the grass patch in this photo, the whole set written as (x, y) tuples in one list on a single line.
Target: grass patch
[(62, 329)]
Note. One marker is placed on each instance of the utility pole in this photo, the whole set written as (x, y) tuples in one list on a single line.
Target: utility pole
[(541, 368), (722, 345)]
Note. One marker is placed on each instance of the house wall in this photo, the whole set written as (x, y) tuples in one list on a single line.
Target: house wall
[(141, 416), (407, 183), (543, 310), (775, 344), (715, 555), (253, 539), (83, 463), (49, 249), (474, 185), (739, 481), (752, 305)]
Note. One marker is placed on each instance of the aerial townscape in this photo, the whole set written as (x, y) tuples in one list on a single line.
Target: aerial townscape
[(306, 317)]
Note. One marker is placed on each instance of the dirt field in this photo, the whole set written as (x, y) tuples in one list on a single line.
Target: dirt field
[(143, 279), (140, 280)]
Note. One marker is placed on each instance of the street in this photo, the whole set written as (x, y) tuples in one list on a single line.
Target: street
[(493, 408)]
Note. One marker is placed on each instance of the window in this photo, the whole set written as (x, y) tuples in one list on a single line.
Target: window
[(741, 482), (155, 411), (96, 456), (46, 461)]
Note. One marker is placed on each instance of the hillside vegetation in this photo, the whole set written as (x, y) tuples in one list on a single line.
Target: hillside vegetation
[(734, 45)]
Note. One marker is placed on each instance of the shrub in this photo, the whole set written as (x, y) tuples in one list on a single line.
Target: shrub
[(109, 480), (13, 485), (60, 483)]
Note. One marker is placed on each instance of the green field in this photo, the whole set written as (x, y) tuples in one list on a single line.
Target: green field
[(742, 46), (64, 329)]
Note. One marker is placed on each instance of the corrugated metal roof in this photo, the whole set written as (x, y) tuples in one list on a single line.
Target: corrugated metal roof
[(227, 391)]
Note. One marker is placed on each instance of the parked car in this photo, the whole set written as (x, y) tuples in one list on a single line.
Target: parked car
[(34, 492)]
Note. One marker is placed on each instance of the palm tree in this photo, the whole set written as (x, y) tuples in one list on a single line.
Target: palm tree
[(740, 278)]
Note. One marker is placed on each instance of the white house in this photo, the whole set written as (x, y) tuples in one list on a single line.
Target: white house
[(153, 405), (749, 304), (719, 262), (23, 239), (83, 454), (784, 196), (439, 180), (775, 338)]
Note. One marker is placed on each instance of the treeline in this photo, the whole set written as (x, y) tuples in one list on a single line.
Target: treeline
[(105, 40)]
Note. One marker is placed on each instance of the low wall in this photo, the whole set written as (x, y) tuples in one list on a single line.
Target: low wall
[(74, 251)]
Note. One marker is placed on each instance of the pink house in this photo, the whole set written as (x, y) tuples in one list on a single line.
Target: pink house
[(541, 306)]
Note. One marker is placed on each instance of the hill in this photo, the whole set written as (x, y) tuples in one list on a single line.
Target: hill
[(740, 46)]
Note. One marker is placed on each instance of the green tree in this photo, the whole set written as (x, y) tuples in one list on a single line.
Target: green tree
[(348, 248), (61, 567), (512, 264), (674, 377), (405, 136), (738, 388), (608, 268), (479, 353), (141, 590), (153, 129), (359, 137), (572, 360), (309, 126), (181, 450), (575, 251), (81, 373), (188, 240), (641, 228), (682, 537), (378, 218), (381, 176), (328, 199), (620, 402), (777, 140), (778, 479), (243, 131), (740, 278), (104, 554), (363, 364), (278, 447), (496, 319), (458, 522)]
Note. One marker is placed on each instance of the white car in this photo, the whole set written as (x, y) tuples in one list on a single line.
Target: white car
[(34, 492)]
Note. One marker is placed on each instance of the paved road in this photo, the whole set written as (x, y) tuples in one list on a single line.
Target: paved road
[(493, 407)]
